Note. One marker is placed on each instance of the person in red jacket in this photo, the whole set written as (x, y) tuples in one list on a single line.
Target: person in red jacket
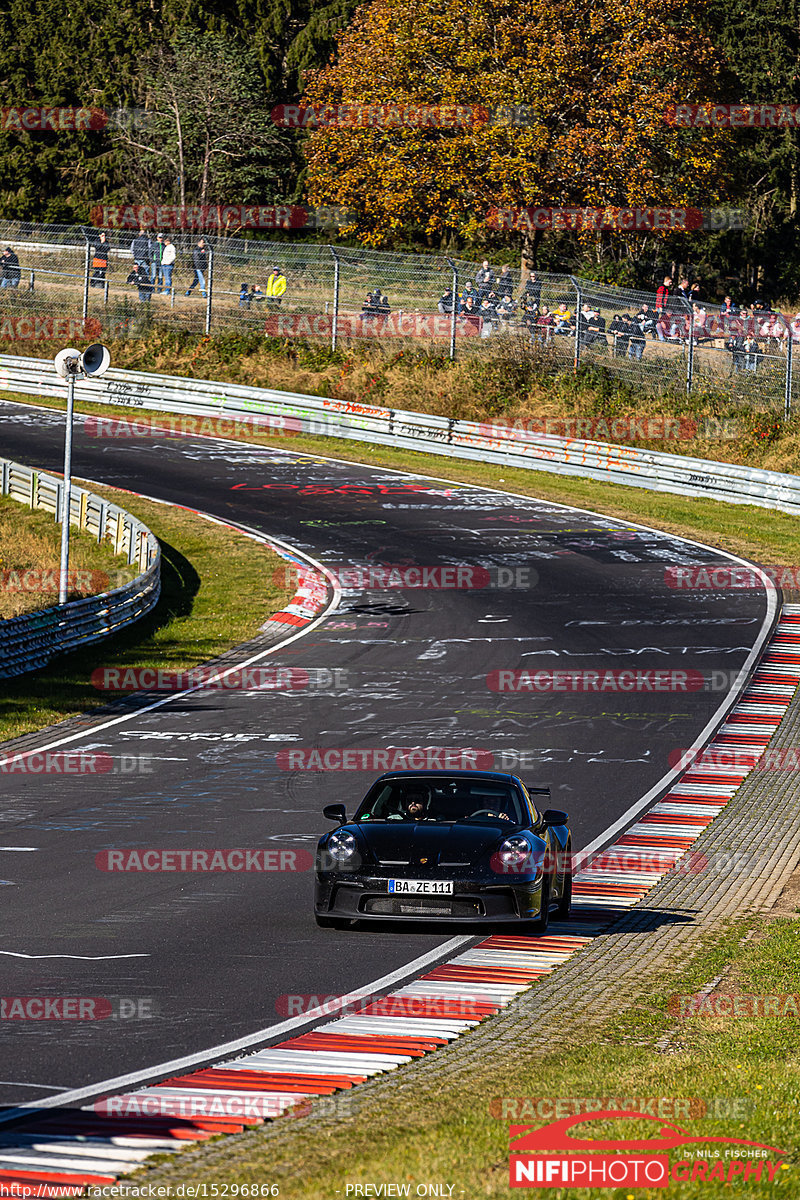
[(662, 305)]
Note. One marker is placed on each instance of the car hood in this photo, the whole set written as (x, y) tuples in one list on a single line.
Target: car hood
[(410, 843)]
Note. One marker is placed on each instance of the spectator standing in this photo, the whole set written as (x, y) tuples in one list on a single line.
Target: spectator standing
[(140, 249), (505, 283), (276, 286), (167, 264), (735, 344), (157, 255), (371, 302), (200, 264), (663, 307), (10, 269), (684, 292), (597, 328), (530, 310), (484, 279), (99, 261), (729, 309), (636, 338), (489, 315), (662, 295)]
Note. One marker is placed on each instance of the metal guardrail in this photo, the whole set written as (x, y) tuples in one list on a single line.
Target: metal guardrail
[(30, 641), (294, 413)]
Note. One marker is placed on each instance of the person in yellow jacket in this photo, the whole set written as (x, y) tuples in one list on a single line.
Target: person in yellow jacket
[(276, 286)]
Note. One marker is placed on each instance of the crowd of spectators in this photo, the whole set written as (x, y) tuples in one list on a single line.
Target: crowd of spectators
[(677, 315)]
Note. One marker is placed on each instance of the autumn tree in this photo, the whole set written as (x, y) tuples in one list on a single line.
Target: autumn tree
[(597, 79)]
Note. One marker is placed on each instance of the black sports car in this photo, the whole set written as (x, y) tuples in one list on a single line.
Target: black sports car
[(466, 846)]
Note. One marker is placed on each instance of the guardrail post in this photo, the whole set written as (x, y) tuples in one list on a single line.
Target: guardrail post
[(453, 309), (32, 281), (105, 292), (209, 289), (787, 400), (335, 325), (86, 281)]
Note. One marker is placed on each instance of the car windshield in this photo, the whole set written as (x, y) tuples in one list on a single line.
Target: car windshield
[(443, 801)]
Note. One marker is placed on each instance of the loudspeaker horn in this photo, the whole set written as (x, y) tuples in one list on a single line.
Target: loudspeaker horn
[(95, 359)]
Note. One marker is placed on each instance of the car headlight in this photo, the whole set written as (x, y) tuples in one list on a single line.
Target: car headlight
[(515, 851), (341, 846)]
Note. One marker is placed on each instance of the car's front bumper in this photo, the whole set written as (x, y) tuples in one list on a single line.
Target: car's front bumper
[(367, 898)]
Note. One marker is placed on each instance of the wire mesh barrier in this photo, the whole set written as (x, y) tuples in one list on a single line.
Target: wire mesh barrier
[(30, 641), (70, 284)]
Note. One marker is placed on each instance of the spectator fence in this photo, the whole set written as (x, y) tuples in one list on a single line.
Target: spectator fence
[(339, 296)]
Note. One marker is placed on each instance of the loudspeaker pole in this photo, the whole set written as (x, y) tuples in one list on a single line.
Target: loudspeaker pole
[(65, 500), (69, 364)]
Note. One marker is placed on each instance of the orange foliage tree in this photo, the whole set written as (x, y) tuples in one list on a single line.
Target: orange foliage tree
[(596, 76)]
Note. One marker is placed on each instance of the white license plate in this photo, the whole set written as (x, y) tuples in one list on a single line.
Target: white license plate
[(421, 887)]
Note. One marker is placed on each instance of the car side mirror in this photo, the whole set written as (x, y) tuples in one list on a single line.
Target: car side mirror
[(335, 812), (554, 816)]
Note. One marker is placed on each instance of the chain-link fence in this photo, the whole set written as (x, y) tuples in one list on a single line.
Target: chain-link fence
[(64, 282)]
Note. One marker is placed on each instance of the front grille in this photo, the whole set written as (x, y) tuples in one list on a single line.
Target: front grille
[(422, 906)]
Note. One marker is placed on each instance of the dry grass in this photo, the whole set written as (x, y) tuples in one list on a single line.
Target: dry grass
[(30, 544)]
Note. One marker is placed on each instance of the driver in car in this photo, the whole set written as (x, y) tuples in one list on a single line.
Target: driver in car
[(415, 805)]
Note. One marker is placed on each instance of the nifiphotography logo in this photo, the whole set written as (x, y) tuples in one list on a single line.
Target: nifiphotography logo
[(547, 1156)]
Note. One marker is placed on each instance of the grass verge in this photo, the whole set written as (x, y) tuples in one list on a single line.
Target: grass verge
[(30, 547), (217, 589), (713, 1075)]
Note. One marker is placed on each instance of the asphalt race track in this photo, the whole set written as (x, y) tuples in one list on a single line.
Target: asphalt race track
[(207, 957)]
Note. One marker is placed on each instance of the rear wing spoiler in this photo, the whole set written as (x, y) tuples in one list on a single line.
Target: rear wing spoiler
[(539, 791)]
